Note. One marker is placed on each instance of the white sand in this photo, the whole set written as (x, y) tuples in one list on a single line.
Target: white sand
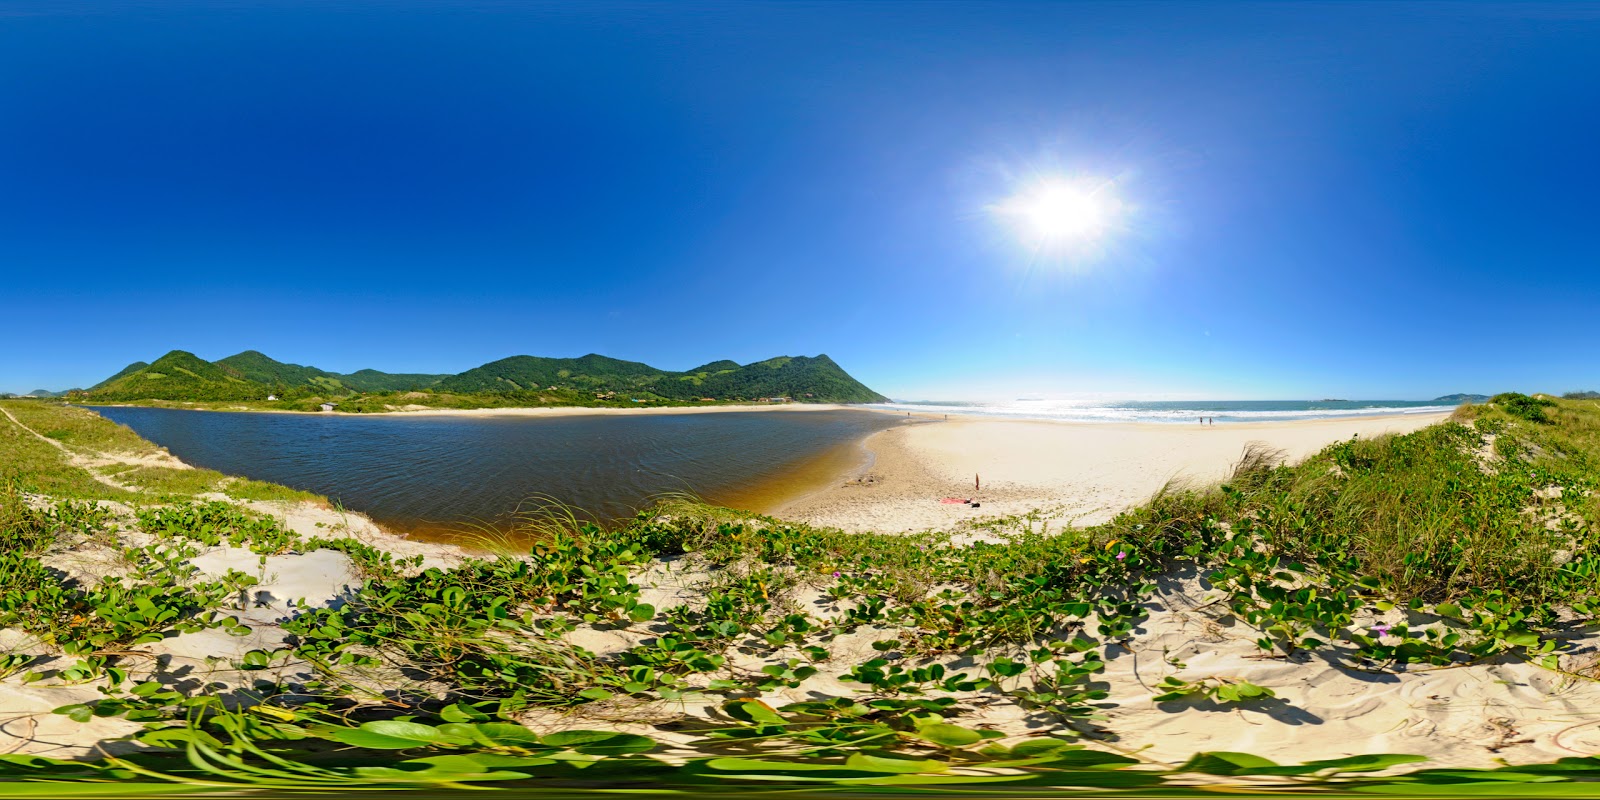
[(1081, 472)]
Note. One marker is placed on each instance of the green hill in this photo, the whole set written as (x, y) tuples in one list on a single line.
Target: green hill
[(529, 373), (179, 375), (371, 380), (252, 375), (128, 370), (715, 366), (816, 379), (1461, 398), (256, 366)]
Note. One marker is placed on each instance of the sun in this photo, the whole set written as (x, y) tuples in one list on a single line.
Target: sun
[(1059, 211), (1055, 213)]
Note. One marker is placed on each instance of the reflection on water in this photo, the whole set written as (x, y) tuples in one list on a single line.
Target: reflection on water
[(422, 473)]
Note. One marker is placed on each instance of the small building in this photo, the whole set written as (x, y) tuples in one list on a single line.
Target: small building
[(708, 399), (777, 399), (328, 406), (272, 397)]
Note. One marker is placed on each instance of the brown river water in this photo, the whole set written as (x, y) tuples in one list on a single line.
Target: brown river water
[(434, 475)]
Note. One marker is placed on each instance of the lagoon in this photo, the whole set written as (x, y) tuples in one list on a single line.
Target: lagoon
[(435, 475)]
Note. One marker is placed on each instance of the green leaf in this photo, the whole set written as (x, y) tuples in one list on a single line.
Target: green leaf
[(943, 733), (385, 735), (754, 711), (1034, 747), (600, 743), (461, 712), (1224, 763), (76, 713), (491, 734), (872, 763), (178, 738)]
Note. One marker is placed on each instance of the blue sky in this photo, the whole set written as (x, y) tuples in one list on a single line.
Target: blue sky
[(1342, 200)]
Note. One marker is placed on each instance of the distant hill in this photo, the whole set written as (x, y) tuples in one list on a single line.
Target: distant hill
[(1461, 398), (255, 366), (371, 380), (179, 375), (258, 367), (1581, 396), (252, 375), (43, 393), (128, 370), (815, 379)]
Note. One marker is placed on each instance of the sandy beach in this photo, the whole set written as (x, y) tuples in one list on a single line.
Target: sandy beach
[(1083, 473)]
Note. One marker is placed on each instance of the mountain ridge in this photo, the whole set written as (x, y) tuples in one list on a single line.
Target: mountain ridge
[(252, 375)]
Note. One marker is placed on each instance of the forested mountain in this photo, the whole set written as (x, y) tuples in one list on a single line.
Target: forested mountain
[(179, 375), (817, 379), (252, 375), (371, 380), (128, 370), (258, 367), (526, 373)]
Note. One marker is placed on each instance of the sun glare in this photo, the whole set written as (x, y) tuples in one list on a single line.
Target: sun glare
[(1057, 213)]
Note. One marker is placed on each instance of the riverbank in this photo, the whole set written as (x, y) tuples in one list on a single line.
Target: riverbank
[(1074, 472), (417, 410)]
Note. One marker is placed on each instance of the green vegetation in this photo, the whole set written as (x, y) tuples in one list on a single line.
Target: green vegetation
[(800, 378), (1465, 542), (247, 379), (179, 375), (64, 452), (1521, 405), (283, 378), (371, 380), (123, 373)]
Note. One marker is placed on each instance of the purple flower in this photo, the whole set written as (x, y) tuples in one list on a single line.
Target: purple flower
[(835, 574), (1121, 555), (1380, 630)]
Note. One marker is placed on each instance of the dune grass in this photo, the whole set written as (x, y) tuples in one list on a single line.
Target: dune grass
[(91, 446)]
